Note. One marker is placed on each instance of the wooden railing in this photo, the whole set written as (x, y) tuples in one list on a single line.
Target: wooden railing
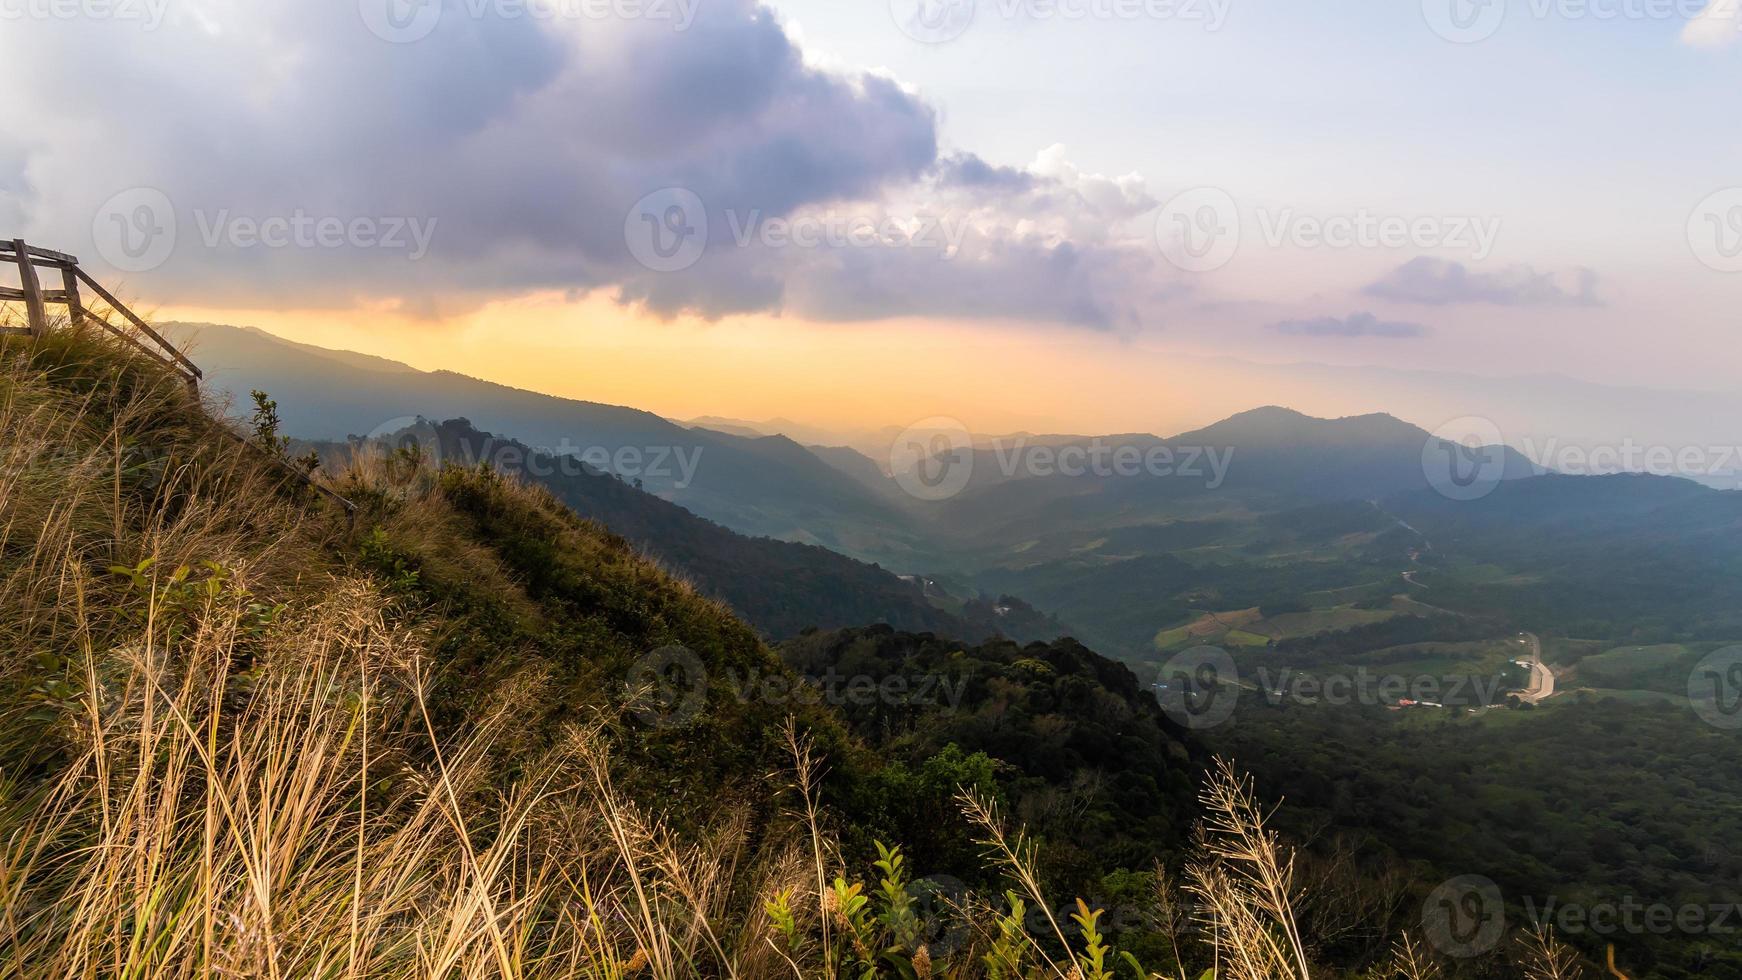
[(37, 300)]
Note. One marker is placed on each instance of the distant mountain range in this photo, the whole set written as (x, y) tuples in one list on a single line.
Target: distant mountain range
[(1323, 522), (769, 486)]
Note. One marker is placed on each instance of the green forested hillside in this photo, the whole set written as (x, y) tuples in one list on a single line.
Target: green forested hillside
[(1600, 805), (1077, 745), (781, 587)]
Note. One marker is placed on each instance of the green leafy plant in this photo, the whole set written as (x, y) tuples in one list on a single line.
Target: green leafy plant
[(377, 552)]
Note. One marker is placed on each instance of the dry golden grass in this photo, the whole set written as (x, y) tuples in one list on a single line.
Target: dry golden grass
[(220, 761)]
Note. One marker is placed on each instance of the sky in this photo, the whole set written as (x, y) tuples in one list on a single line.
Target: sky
[(1054, 215)]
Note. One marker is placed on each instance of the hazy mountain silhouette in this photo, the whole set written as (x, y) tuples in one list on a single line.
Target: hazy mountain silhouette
[(768, 486)]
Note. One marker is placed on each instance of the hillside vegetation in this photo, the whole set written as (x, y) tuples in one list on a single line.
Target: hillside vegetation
[(466, 733), (780, 587)]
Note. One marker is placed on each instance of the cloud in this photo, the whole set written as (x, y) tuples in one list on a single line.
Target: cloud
[(1353, 325), (1046, 241), (1441, 282), (1718, 25), (528, 141), (968, 170)]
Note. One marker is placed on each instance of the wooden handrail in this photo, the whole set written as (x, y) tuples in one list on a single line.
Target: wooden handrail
[(144, 328), (10, 248), (36, 301)]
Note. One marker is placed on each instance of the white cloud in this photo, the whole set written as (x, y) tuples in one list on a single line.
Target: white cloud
[(1718, 25), (526, 141)]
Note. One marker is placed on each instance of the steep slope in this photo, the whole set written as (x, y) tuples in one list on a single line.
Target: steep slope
[(781, 587), (515, 593)]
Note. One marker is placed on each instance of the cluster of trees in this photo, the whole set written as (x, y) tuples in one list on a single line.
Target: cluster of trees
[(1599, 805), (1633, 559), (1076, 747)]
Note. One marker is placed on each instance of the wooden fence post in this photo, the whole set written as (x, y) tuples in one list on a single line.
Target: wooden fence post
[(70, 283), (33, 308)]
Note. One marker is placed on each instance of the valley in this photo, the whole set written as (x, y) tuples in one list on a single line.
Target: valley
[(1375, 675)]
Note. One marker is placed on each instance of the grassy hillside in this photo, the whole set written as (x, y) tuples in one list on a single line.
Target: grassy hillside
[(244, 734), (781, 587), (467, 733)]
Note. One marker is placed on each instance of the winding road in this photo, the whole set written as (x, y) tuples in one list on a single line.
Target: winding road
[(1541, 678)]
